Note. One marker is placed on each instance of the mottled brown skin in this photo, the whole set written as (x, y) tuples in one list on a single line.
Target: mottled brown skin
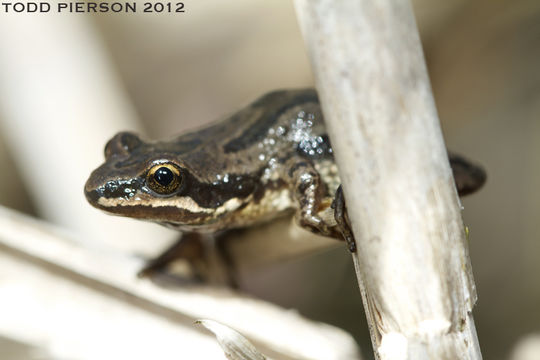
[(269, 159)]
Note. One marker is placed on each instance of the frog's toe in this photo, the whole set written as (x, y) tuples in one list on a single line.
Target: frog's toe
[(342, 219)]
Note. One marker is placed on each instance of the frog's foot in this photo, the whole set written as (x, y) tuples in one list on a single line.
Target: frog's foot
[(314, 213), (188, 253), (314, 223), (191, 260), (342, 219)]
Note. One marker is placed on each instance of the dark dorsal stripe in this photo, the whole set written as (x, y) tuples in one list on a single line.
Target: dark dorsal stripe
[(272, 106)]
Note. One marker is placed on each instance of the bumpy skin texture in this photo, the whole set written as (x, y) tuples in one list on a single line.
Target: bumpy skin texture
[(269, 159)]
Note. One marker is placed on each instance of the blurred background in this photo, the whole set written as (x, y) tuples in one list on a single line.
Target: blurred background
[(68, 82)]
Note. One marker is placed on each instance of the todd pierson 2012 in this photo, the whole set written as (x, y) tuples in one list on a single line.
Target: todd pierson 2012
[(89, 7)]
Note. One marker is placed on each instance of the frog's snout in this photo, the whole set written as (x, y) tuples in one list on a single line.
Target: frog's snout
[(92, 195), (92, 187)]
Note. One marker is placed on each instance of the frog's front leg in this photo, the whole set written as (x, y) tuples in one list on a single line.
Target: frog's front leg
[(189, 248), (206, 259), (310, 194)]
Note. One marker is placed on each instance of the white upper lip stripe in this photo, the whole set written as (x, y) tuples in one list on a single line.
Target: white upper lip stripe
[(183, 202)]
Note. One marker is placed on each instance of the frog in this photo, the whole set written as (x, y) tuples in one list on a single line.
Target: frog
[(272, 158)]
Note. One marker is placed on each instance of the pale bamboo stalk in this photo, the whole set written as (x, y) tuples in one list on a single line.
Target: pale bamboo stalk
[(412, 261)]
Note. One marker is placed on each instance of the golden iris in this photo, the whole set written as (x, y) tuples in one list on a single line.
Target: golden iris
[(164, 179)]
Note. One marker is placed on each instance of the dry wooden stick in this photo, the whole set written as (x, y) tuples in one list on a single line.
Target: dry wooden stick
[(37, 245), (412, 261)]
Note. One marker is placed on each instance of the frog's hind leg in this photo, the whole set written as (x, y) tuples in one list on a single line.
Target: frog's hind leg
[(469, 177)]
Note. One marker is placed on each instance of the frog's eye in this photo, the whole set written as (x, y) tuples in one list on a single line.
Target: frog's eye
[(164, 179)]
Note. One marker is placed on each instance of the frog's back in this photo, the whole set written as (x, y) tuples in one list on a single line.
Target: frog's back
[(269, 131)]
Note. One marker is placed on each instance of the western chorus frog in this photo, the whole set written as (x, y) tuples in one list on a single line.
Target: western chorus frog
[(269, 159)]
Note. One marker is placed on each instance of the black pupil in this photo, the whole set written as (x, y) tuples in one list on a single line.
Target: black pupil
[(164, 176)]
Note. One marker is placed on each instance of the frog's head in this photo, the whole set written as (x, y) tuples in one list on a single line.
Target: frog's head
[(155, 182)]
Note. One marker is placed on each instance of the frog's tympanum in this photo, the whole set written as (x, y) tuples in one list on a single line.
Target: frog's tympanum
[(269, 159)]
